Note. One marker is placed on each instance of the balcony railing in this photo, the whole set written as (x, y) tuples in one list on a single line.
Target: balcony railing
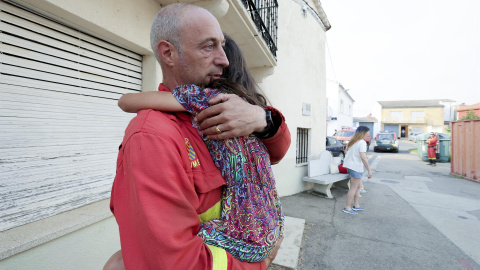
[(264, 14)]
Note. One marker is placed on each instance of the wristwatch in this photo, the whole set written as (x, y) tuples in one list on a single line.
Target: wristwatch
[(265, 133)]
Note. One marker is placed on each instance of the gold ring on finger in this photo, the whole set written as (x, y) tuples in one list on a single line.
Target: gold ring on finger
[(217, 129)]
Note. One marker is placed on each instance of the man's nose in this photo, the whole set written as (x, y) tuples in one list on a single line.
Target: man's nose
[(221, 58)]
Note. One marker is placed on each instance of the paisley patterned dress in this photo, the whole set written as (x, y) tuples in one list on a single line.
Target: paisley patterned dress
[(252, 219)]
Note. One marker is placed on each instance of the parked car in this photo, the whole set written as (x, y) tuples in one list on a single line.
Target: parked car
[(335, 147), (386, 141), (413, 136), (345, 135)]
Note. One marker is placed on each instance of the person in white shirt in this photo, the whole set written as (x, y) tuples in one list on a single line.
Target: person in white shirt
[(355, 161)]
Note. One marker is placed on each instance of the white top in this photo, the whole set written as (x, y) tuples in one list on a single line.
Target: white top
[(352, 160)]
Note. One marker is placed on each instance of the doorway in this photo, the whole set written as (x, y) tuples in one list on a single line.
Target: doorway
[(404, 131)]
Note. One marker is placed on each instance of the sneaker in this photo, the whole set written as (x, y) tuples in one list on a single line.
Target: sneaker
[(345, 210), (433, 165), (358, 208)]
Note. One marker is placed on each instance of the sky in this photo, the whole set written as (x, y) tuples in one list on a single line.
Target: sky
[(402, 50)]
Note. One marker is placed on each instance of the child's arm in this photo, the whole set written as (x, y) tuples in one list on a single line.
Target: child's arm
[(193, 98), (156, 100)]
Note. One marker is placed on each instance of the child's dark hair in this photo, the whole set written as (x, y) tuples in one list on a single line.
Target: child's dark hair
[(236, 78)]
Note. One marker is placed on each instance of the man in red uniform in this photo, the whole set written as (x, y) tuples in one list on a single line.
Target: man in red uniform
[(432, 155), (166, 182)]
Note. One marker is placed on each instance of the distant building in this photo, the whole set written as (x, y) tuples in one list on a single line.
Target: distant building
[(463, 110), (413, 116), (368, 121), (339, 107)]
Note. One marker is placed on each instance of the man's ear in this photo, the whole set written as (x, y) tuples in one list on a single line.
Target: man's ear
[(167, 52)]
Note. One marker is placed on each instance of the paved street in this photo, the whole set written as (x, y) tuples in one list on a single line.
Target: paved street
[(416, 217)]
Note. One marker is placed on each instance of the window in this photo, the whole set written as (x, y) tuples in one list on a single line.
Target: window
[(302, 145), (417, 117), (396, 116), (331, 141)]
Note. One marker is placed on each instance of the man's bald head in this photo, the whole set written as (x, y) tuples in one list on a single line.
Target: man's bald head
[(168, 25)]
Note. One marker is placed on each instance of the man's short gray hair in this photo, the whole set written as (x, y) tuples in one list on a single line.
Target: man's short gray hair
[(166, 26)]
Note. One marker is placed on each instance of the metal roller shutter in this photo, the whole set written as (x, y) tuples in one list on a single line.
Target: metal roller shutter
[(59, 120)]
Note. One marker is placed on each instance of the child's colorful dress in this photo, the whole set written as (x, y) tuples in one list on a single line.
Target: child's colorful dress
[(252, 219)]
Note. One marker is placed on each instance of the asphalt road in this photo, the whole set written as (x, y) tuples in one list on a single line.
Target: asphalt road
[(416, 217)]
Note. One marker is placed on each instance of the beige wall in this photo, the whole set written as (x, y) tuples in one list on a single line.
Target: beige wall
[(87, 248), (434, 118), (433, 115)]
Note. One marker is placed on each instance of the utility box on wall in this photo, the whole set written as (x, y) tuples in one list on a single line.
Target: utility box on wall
[(306, 108)]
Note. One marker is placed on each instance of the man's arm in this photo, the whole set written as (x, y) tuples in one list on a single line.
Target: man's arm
[(236, 117)]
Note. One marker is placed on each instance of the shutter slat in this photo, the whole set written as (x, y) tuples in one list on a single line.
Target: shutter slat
[(51, 86), (37, 47), (32, 165), (67, 30), (69, 73), (20, 52), (75, 41), (46, 40), (37, 93)]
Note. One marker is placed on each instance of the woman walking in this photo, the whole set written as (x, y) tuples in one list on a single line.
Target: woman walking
[(355, 160)]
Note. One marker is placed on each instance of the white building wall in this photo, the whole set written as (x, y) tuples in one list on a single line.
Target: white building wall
[(332, 109), (345, 114), (298, 77)]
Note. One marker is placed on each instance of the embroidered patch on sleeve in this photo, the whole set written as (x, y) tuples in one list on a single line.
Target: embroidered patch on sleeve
[(194, 162)]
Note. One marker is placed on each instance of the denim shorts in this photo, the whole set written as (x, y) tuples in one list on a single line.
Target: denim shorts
[(355, 174)]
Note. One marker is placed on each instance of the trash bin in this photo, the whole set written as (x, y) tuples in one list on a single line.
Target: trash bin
[(443, 147), (422, 146), (443, 153)]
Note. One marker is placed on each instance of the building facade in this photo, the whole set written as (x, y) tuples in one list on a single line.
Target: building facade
[(64, 65), (463, 110), (368, 121), (339, 107), (412, 116)]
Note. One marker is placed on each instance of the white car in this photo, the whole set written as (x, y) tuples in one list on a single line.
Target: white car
[(413, 136)]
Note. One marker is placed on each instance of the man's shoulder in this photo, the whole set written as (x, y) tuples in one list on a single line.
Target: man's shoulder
[(155, 122)]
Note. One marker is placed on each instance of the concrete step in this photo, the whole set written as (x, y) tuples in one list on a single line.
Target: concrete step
[(287, 257)]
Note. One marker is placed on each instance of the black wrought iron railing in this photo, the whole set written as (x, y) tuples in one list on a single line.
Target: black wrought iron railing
[(264, 14)]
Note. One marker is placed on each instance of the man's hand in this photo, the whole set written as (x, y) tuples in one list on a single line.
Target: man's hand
[(233, 117), (272, 256)]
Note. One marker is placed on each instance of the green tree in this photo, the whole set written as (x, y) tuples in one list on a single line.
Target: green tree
[(471, 115)]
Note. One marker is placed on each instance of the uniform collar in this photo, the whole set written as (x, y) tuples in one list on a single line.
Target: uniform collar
[(181, 115)]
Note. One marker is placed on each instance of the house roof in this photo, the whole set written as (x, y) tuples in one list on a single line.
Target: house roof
[(414, 103), (475, 106), (346, 92), (370, 119), (322, 16)]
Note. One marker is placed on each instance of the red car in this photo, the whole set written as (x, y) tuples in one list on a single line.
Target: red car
[(345, 135)]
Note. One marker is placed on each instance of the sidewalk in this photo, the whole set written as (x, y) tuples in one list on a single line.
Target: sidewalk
[(394, 232)]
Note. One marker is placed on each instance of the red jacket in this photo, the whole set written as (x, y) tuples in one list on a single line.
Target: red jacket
[(165, 179)]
